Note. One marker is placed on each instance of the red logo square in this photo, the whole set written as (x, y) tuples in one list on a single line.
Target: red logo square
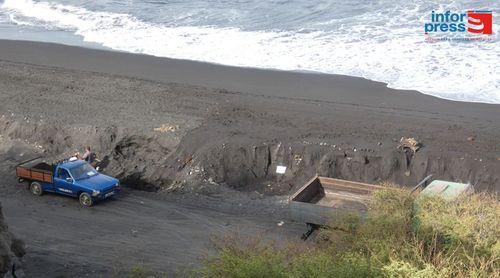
[(480, 22)]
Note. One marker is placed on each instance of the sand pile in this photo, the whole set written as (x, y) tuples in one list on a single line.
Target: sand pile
[(254, 166), (242, 149)]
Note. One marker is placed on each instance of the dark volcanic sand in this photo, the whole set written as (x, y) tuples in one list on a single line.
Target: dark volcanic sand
[(216, 127)]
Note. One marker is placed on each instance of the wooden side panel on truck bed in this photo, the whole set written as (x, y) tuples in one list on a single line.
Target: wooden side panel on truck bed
[(35, 170)]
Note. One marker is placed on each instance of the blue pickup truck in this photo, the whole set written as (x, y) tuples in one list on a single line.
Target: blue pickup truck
[(72, 177)]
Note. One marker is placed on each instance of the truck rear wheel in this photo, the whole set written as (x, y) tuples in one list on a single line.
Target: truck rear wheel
[(85, 200), (36, 188)]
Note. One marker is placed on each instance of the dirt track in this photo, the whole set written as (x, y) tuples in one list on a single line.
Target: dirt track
[(166, 233)]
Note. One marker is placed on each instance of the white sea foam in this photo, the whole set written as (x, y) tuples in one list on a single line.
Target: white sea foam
[(398, 56)]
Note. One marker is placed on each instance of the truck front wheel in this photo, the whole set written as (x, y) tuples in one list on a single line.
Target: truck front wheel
[(85, 200), (36, 188)]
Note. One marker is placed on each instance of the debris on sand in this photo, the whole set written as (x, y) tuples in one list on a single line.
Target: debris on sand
[(297, 158), (281, 223), (166, 128), (409, 143), (471, 139), (134, 232)]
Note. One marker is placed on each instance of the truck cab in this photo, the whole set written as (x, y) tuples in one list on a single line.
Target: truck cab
[(72, 177)]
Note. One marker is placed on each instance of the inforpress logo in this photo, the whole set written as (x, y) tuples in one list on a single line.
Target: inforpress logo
[(476, 22)]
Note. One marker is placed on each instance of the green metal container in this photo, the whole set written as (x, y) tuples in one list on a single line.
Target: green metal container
[(446, 189)]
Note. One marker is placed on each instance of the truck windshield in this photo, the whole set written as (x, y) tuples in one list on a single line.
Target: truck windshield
[(83, 171)]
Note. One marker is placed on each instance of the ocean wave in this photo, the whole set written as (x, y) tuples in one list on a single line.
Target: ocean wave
[(397, 56)]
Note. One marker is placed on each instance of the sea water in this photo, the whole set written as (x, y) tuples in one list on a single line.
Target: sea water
[(378, 40)]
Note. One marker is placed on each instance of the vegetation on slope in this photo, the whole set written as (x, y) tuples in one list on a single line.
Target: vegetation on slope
[(399, 237)]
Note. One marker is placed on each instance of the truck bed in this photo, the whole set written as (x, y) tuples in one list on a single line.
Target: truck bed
[(319, 200), (35, 170)]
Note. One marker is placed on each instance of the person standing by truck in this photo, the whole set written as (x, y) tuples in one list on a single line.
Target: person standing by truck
[(88, 156)]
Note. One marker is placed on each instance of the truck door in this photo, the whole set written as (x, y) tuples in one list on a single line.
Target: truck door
[(63, 182)]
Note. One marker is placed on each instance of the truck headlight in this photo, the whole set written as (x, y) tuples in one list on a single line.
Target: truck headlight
[(95, 192)]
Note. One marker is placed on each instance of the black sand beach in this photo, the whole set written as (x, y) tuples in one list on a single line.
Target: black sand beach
[(206, 137), (321, 87)]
